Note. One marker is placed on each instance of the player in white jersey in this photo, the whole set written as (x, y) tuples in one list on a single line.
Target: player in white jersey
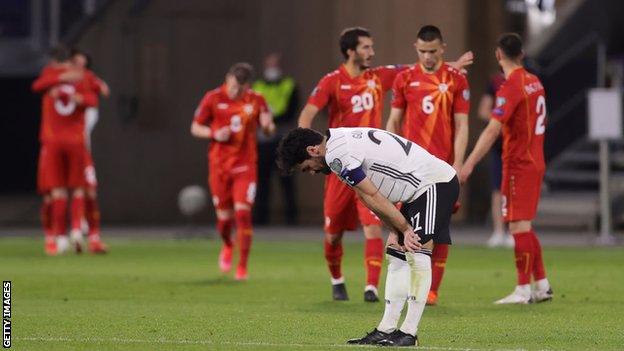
[(385, 169)]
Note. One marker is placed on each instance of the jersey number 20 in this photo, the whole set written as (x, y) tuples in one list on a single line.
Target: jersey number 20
[(362, 102)]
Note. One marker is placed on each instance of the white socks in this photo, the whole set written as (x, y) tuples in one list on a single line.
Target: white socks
[(542, 284), (397, 289), (420, 282)]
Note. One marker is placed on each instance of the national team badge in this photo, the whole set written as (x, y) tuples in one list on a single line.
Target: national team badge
[(500, 101), (356, 134), (442, 87), (336, 166), (466, 94), (248, 108), (371, 83)]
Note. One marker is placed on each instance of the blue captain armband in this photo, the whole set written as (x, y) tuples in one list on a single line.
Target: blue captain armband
[(353, 176)]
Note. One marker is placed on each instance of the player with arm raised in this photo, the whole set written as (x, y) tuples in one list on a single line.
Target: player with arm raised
[(520, 112), (430, 106), (228, 116), (385, 169), (353, 95)]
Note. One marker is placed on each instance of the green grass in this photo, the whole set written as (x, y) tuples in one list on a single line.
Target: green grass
[(167, 294)]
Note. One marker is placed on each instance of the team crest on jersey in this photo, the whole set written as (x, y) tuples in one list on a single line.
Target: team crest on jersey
[(466, 94), (371, 83), (248, 108), (356, 134), (222, 106), (500, 101), (443, 87), (336, 165)]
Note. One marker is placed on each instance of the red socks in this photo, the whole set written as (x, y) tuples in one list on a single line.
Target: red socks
[(77, 212), (92, 215), (538, 264), (59, 216), (224, 227), (244, 234), (373, 257), (525, 254), (333, 256), (438, 265)]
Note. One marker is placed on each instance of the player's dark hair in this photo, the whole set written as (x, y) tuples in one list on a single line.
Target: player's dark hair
[(60, 53), (429, 33), (350, 38), (89, 61), (511, 45), (242, 71), (291, 150)]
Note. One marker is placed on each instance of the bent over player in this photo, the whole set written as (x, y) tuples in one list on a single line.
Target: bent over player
[(385, 169), (353, 94), (520, 112), (228, 116)]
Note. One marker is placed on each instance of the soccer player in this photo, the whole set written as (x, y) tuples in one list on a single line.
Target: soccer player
[(228, 116), (354, 95), (385, 169), (430, 106), (66, 95), (520, 112), (83, 63)]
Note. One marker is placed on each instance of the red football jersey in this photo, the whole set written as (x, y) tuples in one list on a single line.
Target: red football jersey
[(62, 119), (216, 110), (429, 101), (521, 107), (354, 101)]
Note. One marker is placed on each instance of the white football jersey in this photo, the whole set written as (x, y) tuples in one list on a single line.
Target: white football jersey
[(399, 168)]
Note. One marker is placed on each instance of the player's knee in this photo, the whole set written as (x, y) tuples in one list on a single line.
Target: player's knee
[(92, 193), (224, 215), (333, 239), (78, 193), (59, 193), (519, 226), (243, 218), (396, 264), (372, 232)]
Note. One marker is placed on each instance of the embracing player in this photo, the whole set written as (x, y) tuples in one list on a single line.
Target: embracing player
[(354, 95), (430, 105), (228, 116), (520, 112), (385, 169), (62, 161)]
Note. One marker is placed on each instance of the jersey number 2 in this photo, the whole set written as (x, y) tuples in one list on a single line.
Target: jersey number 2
[(540, 109)]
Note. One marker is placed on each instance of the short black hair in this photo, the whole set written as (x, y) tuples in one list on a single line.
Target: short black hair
[(291, 150), (242, 71), (350, 38), (88, 59), (429, 33), (60, 53), (511, 44)]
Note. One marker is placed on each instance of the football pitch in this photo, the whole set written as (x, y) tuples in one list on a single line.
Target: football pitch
[(168, 294)]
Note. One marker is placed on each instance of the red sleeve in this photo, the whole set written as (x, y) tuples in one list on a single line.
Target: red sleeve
[(47, 79), (505, 103), (387, 74), (203, 113), (262, 106), (95, 82), (461, 100), (322, 92), (398, 96), (89, 99)]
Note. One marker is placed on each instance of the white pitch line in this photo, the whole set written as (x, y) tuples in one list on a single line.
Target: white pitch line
[(209, 342)]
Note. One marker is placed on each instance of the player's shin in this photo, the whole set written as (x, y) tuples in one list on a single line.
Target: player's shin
[(397, 290), (59, 215), (523, 251), (92, 214), (224, 227), (244, 234), (373, 253), (420, 282), (333, 256), (77, 212), (539, 272), (438, 265)]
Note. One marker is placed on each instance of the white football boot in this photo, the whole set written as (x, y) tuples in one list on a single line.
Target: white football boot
[(62, 244), (521, 295), (77, 240)]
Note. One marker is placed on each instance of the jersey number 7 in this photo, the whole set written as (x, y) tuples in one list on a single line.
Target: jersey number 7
[(406, 146)]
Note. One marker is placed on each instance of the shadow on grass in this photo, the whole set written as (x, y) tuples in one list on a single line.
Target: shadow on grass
[(216, 281)]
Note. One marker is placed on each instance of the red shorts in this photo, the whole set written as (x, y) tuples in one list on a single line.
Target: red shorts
[(228, 187), (61, 166), (342, 208), (521, 194)]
